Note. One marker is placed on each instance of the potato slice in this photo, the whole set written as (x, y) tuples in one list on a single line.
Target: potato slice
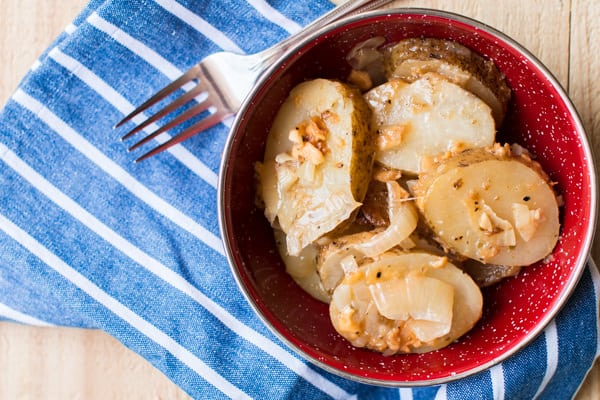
[(410, 302), (303, 268), (419, 120), (318, 161), (409, 59), (474, 202)]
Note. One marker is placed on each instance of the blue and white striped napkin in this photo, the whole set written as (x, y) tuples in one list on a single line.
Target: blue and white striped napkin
[(90, 239)]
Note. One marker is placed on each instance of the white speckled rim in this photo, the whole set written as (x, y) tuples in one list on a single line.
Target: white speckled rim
[(590, 228)]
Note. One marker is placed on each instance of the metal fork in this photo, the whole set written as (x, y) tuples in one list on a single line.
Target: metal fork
[(222, 82)]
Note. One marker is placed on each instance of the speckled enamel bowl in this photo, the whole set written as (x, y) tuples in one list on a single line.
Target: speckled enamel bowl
[(540, 117)]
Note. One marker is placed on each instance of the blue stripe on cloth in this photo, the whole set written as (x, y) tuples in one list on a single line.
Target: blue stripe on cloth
[(480, 387), (194, 191), (112, 198), (87, 10), (89, 239), (196, 264), (194, 335), (532, 359), (87, 304), (238, 21), (119, 76), (298, 11), (577, 340), (162, 31), (426, 393), (26, 289), (120, 282), (119, 69)]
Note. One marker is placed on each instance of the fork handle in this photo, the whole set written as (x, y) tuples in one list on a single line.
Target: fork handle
[(348, 7)]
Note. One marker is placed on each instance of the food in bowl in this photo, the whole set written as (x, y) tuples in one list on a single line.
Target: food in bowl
[(405, 302), (312, 197), (539, 116), (423, 140), (412, 57), (491, 205)]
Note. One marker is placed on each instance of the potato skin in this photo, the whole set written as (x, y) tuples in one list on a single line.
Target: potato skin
[(456, 62), (429, 116), (333, 121), (363, 144)]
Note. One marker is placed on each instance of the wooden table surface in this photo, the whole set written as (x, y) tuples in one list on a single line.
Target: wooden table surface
[(68, 363)]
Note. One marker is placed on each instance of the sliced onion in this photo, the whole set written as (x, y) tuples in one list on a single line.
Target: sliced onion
[(526, 220), (365, 53), (366, 57), (403, 221), (336, 265), (427, 331), (426, 303), (391, 298), (372, 321), (307, 173), (342, 296), (286, 175), (362, 302), (431, 299), (501, 231)]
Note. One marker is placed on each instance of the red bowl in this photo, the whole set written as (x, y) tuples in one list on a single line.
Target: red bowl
[(540, 117)]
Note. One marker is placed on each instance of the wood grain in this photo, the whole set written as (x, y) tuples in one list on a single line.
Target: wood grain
[(27, 27), (584, 75), (68, 363)]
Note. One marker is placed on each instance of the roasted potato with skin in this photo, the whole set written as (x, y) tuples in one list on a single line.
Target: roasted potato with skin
[(318, 161), (490, 205), (488, 274), (419, 120), (411, 58)]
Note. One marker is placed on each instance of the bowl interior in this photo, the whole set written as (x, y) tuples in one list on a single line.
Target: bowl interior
[(539, 118)]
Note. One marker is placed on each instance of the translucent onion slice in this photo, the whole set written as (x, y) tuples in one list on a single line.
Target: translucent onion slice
[(365, 53), (342, 297), (405, 302), (349, 264), (392, 299), (526, 220), (427, 331), (336, 257), (403, 221), (425, 303)]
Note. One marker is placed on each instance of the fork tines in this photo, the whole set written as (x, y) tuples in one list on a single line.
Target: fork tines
[(161, 94), (195, 92)]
